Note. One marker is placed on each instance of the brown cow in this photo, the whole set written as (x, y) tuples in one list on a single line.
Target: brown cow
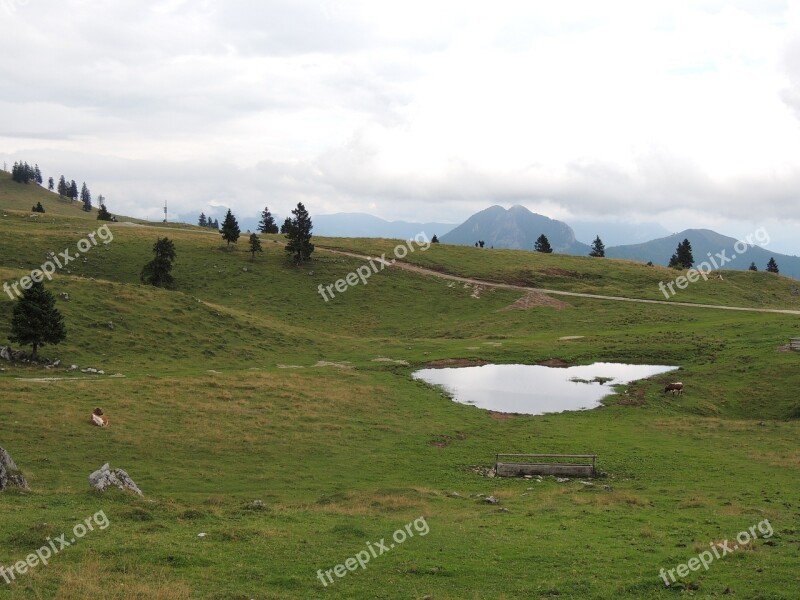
[(98, 418), (674, 387)]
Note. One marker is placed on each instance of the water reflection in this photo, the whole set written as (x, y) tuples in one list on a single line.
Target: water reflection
[(535, 389)]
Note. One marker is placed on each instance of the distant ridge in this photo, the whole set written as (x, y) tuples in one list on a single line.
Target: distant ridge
[(705, 242)]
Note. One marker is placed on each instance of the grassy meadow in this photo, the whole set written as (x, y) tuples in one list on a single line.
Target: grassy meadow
[(243, 385)]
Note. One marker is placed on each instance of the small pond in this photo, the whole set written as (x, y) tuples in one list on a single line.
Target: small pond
[(535, 389)]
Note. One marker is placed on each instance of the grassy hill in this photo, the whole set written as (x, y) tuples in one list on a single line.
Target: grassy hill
[(242, 384)]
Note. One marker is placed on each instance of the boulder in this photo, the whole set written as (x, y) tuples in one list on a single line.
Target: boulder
[(10, 475), (5, 353), (104, 478)]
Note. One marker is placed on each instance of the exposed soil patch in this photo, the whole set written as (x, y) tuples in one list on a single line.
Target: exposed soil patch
[(455, 362), (498, 416), (341, 365), (636, 398), (554, 362), (389, 360), (534, 300), (786, 348), (567, 338)]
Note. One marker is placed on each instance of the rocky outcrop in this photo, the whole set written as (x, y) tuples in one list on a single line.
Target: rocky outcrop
[(104, 478), (10, 475)]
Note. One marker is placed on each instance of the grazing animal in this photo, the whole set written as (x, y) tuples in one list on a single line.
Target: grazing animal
[(674, 387), (98, 418)]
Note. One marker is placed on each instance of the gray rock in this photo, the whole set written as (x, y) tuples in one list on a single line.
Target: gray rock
[(104, 478), (491, 500), (5, 353), (10, 475)]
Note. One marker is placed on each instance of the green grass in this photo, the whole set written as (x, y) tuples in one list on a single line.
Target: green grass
[(206, 420)]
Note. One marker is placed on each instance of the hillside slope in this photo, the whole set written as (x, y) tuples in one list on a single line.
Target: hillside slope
[(289, 432)]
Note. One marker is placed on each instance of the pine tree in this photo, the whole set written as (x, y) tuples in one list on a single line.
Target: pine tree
[(287, 226), (38, 208), (299, 235), (202, 222), (267, 223), (255, 245), (434, 239), (73, 190), (216, 224), (753, 267), (543, 245), (158, 271), (36, 320), (50, 184), (86, 198), (103, 214), (598, 248), (230, 228), (682, 258), (63, 190), (772, 266), (37, 175)]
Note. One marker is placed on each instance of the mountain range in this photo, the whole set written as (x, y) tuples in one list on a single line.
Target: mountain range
[(518, 228)]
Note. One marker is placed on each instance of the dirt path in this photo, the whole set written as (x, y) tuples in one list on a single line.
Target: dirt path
[(521, 288)]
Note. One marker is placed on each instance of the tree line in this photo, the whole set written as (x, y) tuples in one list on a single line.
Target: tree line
[(23, 173)]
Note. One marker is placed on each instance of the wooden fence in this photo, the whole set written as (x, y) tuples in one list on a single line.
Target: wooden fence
[(519, 465)]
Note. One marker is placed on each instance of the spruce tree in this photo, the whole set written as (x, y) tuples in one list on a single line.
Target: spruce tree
[(598, 248), (772, 266), (299, 235), (73, 190), (682, 258), (255, 245), (103, 214), (753, 267), (36, 320), (158, 271), (230, 228), (286, 227), (434, 239), (63, 189), (267, 223), (50, 184), (37, 175), (202, 222), (543, 245), (86, 198)]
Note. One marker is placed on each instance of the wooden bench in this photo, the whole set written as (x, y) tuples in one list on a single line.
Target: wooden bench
[(519, 465), (794, 343)]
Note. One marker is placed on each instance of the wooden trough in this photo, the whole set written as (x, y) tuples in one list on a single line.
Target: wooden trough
[(519, 465), (794, 343)]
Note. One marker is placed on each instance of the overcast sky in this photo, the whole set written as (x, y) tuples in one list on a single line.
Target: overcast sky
[(684, 113)]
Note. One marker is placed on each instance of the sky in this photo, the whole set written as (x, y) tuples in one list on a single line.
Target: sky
[(682, 113)]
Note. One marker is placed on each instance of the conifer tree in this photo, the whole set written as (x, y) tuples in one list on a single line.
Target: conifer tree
[(772, 266), (543, 245), (267, 223), (299, 235), (598, 248), (158, 271), (255, 245), (36, 320), (230, 228)]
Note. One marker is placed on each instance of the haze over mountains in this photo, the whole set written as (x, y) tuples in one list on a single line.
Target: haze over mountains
[(518, 228)]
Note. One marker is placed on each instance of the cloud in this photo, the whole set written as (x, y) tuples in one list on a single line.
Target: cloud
[(436, 109)]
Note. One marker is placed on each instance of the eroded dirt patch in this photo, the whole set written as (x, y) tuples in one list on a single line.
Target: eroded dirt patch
[(534, 300), (554, 362), (455, 362)]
